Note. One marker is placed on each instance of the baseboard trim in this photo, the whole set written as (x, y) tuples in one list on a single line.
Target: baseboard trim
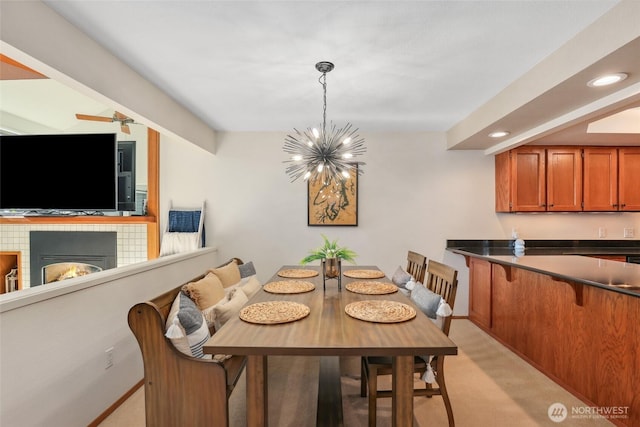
[(112, 408)]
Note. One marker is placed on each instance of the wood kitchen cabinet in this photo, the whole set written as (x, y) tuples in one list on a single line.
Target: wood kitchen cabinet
[(568, 179), (480, 292), (521, 180), (600, 179), (564, 179), (629, 178)]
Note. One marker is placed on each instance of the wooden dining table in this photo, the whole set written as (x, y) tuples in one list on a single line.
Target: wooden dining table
[(327, 331)]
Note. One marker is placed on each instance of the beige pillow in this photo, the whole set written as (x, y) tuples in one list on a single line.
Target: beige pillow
[(225, 312), (206, 292), (229, 274), (251, 286)]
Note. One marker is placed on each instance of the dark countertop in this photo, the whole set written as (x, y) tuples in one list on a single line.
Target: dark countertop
[(562, 259)]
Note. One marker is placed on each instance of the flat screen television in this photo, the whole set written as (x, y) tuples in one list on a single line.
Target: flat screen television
[(57, 173)]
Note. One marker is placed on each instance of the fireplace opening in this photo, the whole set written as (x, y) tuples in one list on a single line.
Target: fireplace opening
[(67, 270)]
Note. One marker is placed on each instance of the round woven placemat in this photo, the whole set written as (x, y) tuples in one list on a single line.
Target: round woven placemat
[(274, 312), (364, 274), (289, 287), (380, 311), (297, 273), (370, 287)]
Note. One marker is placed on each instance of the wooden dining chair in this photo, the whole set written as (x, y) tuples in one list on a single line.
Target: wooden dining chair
[(442, 280), (416, 265)]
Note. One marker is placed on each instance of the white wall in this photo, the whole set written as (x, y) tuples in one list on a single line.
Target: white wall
[(52, 357)]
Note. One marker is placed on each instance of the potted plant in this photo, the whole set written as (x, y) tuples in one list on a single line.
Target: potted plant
[(330, 254)]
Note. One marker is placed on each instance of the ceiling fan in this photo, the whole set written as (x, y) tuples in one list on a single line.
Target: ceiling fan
[(117, 117)]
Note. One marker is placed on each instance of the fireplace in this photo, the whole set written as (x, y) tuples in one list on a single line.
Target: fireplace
[(59, 255), (66, 270)]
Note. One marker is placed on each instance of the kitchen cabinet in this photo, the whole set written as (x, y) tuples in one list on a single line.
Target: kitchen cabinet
[(564, 179), (600, 179), (521, 174), (480, 292), (567, 179), (629, 179)]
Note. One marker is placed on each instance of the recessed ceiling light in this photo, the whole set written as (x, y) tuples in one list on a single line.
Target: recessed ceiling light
[(498, 134), (606, 80)]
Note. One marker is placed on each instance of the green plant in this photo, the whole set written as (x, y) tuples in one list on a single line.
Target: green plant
[(330, 250)]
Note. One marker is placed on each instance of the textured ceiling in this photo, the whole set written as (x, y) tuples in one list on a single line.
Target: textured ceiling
[(400, 65)]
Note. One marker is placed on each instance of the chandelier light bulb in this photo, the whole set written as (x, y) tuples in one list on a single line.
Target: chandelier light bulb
[(346, 141), (316, 133), (296, 158), (320, 167), (346, 174), (347, 155), (307, 175)]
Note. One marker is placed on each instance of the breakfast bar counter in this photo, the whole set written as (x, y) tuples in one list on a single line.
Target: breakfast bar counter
[(576, 318)]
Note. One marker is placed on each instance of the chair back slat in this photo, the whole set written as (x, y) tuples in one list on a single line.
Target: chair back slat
[(416, 265)]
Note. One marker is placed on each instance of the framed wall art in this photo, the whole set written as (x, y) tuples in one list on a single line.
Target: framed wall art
[(333, 203)]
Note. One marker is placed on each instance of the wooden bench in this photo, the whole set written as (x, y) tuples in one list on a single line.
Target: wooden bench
[(180, 390)]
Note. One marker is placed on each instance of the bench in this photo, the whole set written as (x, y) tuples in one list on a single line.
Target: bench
[(180, 390)]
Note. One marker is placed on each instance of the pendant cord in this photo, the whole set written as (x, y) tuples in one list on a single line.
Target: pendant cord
[(323, 82)]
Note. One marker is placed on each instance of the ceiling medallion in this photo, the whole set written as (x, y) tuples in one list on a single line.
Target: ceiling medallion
[(321, 154)]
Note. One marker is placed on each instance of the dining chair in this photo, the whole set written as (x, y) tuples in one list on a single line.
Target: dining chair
[(442, 280), (416, 265)]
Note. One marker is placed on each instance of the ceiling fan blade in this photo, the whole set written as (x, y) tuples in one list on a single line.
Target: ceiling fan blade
[(125, 129), (94, 118)]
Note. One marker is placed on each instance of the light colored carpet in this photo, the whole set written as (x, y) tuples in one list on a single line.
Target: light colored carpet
[(488, 386)]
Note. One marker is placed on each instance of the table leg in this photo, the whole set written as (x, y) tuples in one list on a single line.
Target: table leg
[(402, 395), (329, 412), (257, 396)]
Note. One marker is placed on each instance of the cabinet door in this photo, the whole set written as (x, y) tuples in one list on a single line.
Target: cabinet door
[(528, 179), (629, 179), (600, 179), (503, 182), (480, 292), (564, 179)]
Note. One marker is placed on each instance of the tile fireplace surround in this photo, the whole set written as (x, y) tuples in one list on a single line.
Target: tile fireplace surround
[(131, 242)]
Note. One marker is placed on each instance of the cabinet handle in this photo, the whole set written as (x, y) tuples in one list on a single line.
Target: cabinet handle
[(623, 205), (551, 205), (615, 205), (543, 205)]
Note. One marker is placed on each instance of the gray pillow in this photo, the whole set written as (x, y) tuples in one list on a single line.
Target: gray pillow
[(426, 300), (247, 269), (400, 277)]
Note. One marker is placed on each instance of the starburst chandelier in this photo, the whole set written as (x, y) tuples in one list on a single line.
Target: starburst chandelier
[(321, 154)]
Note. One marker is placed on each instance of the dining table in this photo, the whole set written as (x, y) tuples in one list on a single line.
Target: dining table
[(298, 312)]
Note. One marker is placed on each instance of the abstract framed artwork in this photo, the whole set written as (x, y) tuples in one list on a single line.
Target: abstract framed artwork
[(333, 203)]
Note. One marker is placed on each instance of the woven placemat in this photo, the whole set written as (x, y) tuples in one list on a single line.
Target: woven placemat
[(380, 311), (289, 287), (370, 287), (274, 312), (297, 273), (364, 274)]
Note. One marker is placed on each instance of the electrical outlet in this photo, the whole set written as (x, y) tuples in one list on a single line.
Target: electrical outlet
[(629, 232), (602, 232), (108, 358)]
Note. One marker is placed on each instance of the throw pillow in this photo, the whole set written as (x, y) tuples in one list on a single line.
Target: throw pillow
[(205, 292), (186, 327), (400, 277), (228, 274), (251, 286), (426, 300), (247, 269), (229, 308)]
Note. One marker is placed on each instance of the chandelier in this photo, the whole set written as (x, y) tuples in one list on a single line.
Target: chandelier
[(321, 154)]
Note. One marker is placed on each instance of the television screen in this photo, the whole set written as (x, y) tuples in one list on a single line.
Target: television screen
[(68, 172)]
